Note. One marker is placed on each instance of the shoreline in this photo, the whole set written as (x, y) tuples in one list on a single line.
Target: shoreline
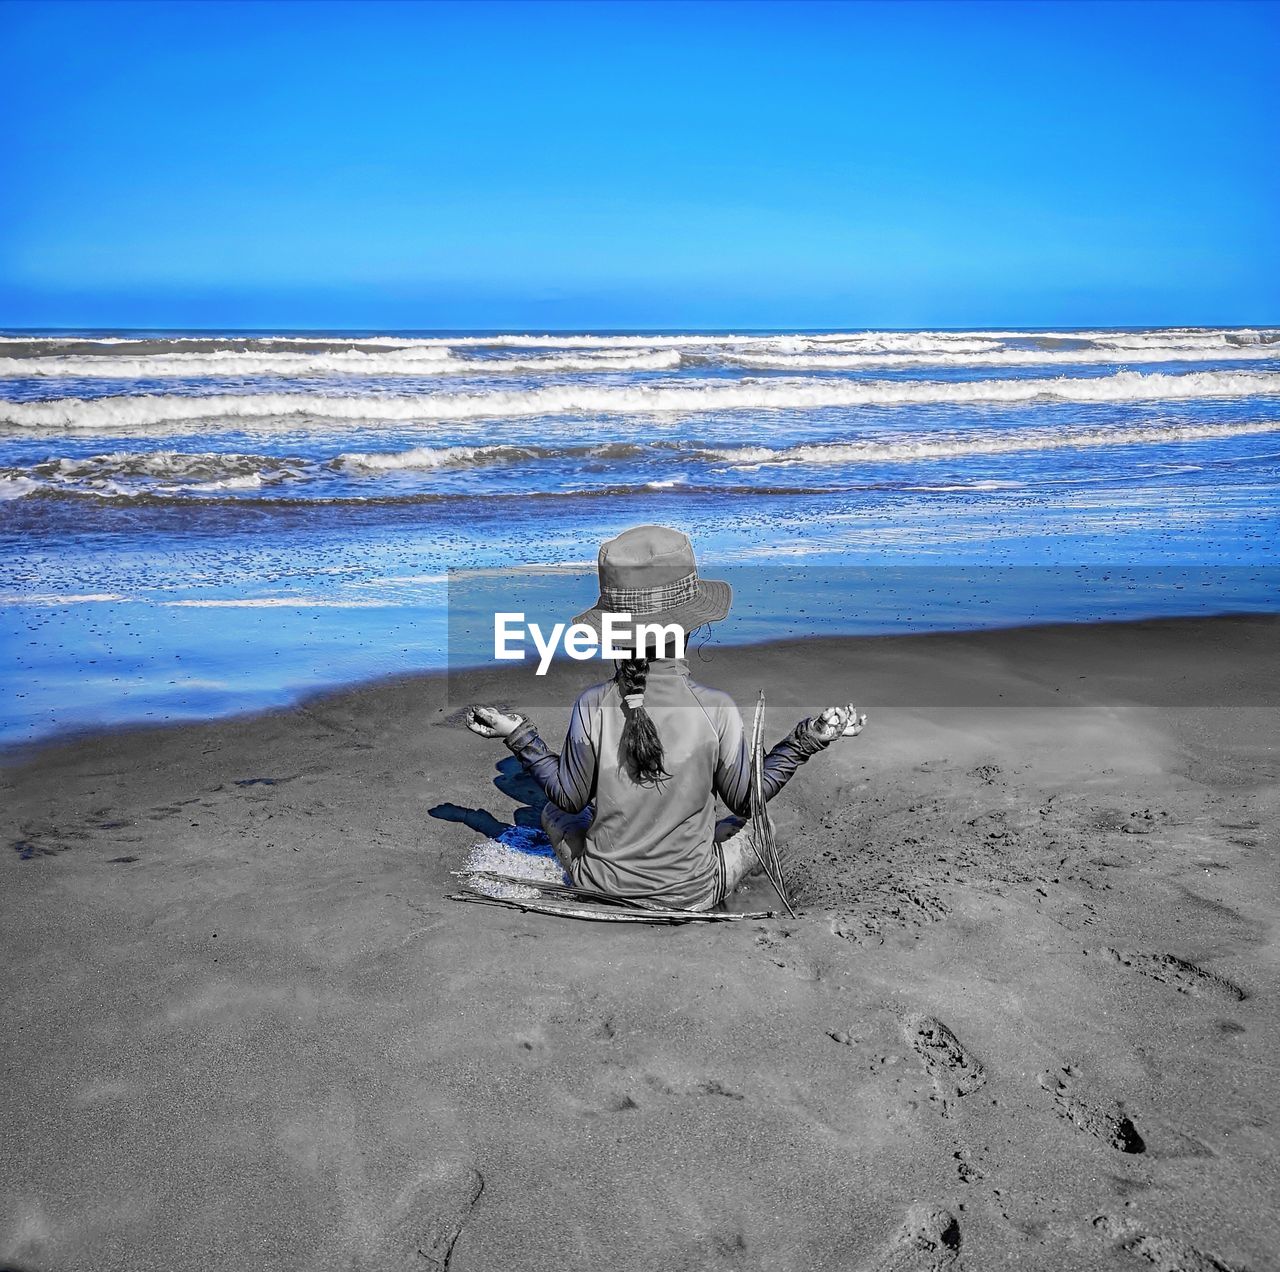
[(1025, 1014), (563, 673)]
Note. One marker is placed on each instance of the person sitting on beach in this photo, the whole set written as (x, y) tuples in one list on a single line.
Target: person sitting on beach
[(631, 798)]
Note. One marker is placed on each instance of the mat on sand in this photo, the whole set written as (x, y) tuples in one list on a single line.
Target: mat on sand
[(519, 871)]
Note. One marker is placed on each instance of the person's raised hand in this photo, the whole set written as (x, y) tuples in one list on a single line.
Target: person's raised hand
[(837, 722), (489, 722)]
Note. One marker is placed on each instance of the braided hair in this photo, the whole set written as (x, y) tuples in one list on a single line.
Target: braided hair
[(641, 746)]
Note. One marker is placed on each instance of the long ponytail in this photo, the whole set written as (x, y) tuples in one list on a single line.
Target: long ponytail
[(641, 746)]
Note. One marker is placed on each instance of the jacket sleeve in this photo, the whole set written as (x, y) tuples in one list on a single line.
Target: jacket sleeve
[(733, 765), (569, 779)]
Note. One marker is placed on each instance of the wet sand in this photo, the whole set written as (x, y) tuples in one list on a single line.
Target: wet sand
[(1026, 1019)]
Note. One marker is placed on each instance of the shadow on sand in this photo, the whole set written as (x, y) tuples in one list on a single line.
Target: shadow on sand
[(513, 782)]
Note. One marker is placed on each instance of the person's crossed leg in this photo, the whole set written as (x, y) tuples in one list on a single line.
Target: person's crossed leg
[(734, 839)]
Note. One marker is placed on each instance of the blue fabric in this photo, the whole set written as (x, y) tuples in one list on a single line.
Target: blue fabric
[(527, 839)]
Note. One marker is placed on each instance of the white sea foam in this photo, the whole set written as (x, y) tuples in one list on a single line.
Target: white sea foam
[(281, 602), (165, 464), (1175, 337), (954, 445), (567, 340), (426, 457), (904, 341), (882, 341), (783, 353), (435, 360), (128, 474), (142, 411), (518, 354), (17, 486), (998, 356), (249, 481), (131, 475), (54, 598)]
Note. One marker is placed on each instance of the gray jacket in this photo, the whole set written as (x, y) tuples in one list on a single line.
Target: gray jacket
[(657, 840)]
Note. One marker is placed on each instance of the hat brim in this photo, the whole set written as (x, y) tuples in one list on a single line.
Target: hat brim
[(709, 604)]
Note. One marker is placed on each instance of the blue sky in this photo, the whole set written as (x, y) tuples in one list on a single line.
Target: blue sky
[(655, 165)]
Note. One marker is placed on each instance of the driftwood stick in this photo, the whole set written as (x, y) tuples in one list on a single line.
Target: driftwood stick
[(762, 843)]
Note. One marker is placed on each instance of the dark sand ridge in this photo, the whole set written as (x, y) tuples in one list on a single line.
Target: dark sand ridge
[(1026, 1020)]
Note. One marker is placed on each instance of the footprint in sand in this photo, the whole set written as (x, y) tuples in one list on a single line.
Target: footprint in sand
[(1246, 840), (46, 841), (967, 1168), (928, 1241), (1165, 1254), (29, 849), (1111, 1127), (771, 943), (627, 1101), (1168, 1254), (952, 1068), (1177, 973), (426, 1221), (705, 1086), (162, 812)]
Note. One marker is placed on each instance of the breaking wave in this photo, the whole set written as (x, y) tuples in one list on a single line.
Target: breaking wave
[(428, 457), (129, 474), (133, 475), (999, 444), (997, 357), (431, 360), (196, 357), (146, 410)]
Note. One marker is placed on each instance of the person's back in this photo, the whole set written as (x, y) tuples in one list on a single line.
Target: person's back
[(656, 838), (632, 796)]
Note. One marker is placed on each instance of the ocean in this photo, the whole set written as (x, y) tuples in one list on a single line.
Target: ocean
[(195, 524)]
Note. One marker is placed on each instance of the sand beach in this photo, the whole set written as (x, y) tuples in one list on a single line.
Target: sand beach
[(1025, 1018), (348, 350)]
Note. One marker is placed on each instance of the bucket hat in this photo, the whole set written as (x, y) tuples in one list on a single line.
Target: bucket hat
[(650, 573)]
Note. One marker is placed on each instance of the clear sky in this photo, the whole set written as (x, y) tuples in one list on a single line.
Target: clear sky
[(656, 165)]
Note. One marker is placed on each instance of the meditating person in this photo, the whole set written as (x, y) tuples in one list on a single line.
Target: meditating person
[(631, 797)]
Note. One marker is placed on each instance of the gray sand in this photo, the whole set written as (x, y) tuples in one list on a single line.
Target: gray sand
[(1026, 1019)]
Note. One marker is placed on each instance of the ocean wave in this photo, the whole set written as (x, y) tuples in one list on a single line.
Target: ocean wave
[(194, 357), (128, 411), (869, 341), (420, 458), (783, 354), (56, 598), (17, 486), (186, 498), (1208, 338), (130, 474), (428, 457), (147, 475), (284, 602), (997, 356), (497, 340), (1175, 337), (890, 341), (955, 446), (434, 360)]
